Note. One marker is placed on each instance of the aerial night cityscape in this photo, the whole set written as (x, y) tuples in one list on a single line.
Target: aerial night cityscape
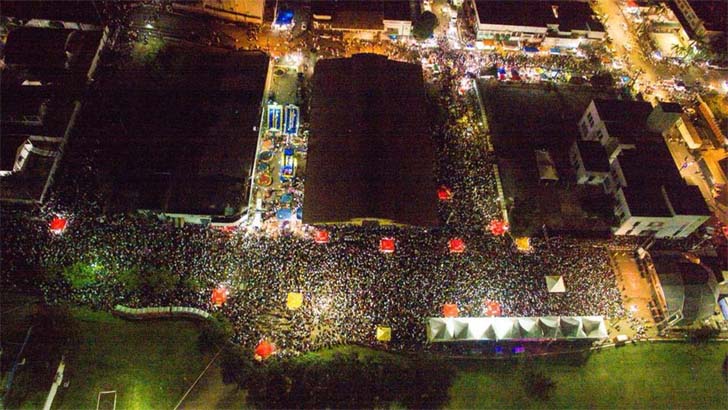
[(455, 204)]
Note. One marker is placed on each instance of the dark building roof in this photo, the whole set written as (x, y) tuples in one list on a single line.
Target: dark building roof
[(649, 164), (9, 150), (654, 186), (713, 13), (365, 14), (572, 15), (77, 11), (187, 146), (689, 288), (51, 54), (646, 200), (370, 154), (593, 155), (686, 200), (634, 112), (35, 47), (671, 107)]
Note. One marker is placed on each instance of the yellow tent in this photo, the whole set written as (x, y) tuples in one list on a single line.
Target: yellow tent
[(523, 244), (384, 333), (294, 300)]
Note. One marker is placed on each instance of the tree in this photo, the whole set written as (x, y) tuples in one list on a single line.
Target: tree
[(129, 279), (236, 366), (424, 25), (79, 275), (158, 280), (536, 383), (215, 333)]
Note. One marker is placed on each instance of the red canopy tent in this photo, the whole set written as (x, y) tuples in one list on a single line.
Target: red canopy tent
[(321, 236), (450, 310), (386, 245), (444, 193), (498, 227), (58, 224), (456, 245), (492, 308), (264, 349), (219, 296)]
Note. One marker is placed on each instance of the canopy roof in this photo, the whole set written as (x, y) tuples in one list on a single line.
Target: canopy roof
[(555, 284), (441, 329)]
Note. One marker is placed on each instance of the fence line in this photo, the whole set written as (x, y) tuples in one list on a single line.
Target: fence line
[(159, 312)]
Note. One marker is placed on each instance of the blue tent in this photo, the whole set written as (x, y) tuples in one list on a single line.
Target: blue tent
[(299, 213), (555, 50), (283, 213), (275, 114), (530, 49), (286, 198), (284, 17), (291, 120)]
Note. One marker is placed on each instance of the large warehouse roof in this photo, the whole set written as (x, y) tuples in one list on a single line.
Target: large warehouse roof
[(370, 155)]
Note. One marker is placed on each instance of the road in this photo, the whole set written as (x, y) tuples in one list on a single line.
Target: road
[(616, 22)]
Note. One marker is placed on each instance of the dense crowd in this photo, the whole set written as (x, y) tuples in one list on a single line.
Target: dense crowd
[(349, 287)]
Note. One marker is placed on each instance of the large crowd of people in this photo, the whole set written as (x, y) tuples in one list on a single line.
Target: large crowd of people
[(349, 286)]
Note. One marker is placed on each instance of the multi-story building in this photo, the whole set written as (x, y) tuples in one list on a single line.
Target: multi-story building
[(702, 18), (624, 138), (563, 24), (46, 71)]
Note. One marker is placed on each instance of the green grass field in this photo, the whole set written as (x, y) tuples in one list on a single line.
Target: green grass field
[(150, 364), (655, 376)]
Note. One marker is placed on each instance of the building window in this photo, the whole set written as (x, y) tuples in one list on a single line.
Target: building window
[(584, 129), (591, 119), (600, 135), (655, 224)]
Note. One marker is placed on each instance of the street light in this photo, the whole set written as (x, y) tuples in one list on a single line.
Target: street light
[(148, 26)]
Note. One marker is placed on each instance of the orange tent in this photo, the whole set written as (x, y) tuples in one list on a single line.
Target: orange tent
[(219, 296), (264, 349), (492, 308), (386, 245), (456, 245), (450, 310), (321, 236)]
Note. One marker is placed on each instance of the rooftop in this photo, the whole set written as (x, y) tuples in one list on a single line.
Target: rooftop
[(634, 112), (646, 200), (714, 13), (365, 14), (370, 153), (194, 156), (28, 183), (77, 11), (689, 288), (49, 54), (593, 155), (686, 200), (572, 15)]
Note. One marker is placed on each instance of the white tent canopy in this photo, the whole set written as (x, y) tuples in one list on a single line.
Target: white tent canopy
[(555, 284), (450, 329)]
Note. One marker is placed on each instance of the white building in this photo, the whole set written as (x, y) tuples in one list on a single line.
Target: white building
[(650, 196)]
